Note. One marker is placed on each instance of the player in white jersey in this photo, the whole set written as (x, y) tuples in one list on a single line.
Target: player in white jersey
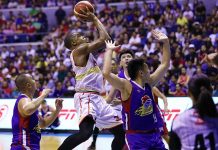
[(197, 128), (91, 107)]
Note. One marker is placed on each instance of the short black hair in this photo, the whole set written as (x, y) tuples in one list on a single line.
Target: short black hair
[(20, 81), (70, 40), (134, 66), (126, 51)]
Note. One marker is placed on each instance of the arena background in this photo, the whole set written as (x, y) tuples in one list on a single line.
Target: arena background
[(31, 40)]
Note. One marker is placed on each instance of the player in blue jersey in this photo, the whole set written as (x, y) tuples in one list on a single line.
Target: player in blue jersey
[(142, 128), (26, 123), (197, 127)]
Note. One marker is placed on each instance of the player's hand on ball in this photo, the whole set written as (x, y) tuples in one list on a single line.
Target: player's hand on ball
[(161, 37), (59, 104), (111, 45)]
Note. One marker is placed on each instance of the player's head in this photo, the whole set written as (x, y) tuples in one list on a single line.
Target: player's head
[(72, 40), (138, 68), (124, 57), (25, 83), (200, 91), (44, 104), (114, 66)]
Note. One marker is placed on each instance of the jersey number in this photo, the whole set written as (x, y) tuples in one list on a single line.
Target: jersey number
[(199, 141)]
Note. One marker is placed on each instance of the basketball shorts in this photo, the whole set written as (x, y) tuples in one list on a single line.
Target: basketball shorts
[(149, 141), (93, 104)]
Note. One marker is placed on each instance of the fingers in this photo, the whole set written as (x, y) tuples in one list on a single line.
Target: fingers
[(80, 15)]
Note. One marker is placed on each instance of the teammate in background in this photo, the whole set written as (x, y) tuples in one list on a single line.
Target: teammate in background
[(45, 110), (91, 107), (196, 128), (26, 123), (142, 127)]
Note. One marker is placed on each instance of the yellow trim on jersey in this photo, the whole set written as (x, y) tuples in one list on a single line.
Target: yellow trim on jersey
[(95, 69)]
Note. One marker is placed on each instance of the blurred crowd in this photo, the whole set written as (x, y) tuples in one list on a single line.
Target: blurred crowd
[(10, 4), (191, 31)]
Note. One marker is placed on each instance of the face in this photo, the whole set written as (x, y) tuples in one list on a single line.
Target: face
[(125, 59), (80, 39), (44, 105), (114, 67), (31, 84)]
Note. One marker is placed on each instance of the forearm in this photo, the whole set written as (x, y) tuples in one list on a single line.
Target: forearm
[(49, 120), (102, 31), (111, 95), (107, 62), (166, 54), (32, 106)]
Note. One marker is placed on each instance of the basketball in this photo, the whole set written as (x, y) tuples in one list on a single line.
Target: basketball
[(81, 8)]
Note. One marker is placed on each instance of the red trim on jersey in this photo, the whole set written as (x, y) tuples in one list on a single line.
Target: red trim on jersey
[(155, 98), (143, 131), (126, 106), (80, 105), (88, 103)]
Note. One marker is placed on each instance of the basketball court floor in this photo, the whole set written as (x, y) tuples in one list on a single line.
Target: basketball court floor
[(53, 141)]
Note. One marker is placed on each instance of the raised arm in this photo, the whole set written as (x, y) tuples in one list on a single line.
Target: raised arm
[(45, 122), (115, 81), (98, 43), (163, 67)]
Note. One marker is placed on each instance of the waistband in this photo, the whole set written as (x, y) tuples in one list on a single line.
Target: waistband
[(91, 92), (142, 131)]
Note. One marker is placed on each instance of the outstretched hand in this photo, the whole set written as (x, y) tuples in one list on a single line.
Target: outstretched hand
[(111, 45), (161, 37), (59, 104)]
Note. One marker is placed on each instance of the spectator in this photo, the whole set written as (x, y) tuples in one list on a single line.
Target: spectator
[(60, 15)]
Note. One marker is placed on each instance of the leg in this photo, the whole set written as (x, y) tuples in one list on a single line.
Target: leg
[(95, 135), (166, 138), (85, 131), (119, 137)]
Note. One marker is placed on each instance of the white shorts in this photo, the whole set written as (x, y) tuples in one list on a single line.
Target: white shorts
[(118, 110), (95, 105)]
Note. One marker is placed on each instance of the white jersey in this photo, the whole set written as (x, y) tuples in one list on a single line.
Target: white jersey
[(88, 78), (195, 133)]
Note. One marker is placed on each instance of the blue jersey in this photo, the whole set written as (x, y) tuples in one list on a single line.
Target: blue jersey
[(26, 133), (140, 109)]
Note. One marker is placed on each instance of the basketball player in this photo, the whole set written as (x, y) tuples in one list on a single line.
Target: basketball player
[(91, 107), (142, 127), (197, 127), (114, 96), (26, 122)]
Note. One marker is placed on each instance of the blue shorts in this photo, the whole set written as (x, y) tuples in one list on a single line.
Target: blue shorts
[(144, 141)]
